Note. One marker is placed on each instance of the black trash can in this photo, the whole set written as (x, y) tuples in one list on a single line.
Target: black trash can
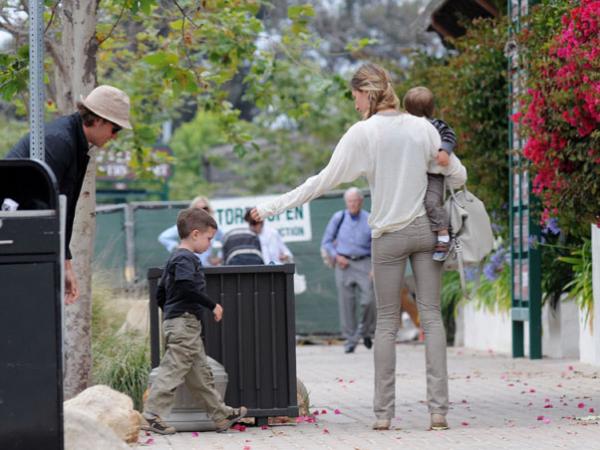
[(31, 412), (255, 341)]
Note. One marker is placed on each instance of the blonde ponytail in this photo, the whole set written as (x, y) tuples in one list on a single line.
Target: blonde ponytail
[(375, 80)]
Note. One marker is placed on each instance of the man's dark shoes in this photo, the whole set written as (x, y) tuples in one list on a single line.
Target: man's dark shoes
[(368, 342), (228, 422), (349, 348), (156, 425)]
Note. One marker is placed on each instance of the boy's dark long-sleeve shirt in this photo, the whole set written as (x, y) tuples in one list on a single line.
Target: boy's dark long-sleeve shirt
[(183, 286), (446, 133)]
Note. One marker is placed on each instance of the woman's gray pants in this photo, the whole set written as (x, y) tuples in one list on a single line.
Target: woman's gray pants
[(389, 253)]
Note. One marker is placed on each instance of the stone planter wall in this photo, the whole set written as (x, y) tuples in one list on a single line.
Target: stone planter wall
[(589, 337)]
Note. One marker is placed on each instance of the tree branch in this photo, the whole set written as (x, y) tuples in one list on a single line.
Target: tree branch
[(113, 27), (52, 16), (185, 15)]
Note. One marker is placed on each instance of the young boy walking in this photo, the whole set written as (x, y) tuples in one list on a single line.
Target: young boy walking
[(419, 101), (181, 295)]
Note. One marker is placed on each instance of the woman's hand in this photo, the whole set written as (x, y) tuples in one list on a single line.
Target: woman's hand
[(255, 215)]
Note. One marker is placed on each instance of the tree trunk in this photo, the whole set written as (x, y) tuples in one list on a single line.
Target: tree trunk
[(75, 75)]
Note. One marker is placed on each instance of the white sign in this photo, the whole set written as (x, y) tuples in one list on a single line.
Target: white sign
[(293, 224)]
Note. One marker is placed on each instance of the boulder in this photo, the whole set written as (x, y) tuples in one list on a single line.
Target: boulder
[(109, 407), (84, 432)]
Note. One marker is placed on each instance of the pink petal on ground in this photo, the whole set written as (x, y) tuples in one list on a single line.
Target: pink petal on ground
[(315, 412), (351, 381), (340, 380), (581, 405), (300, 419), (591, 410), (325, 430), (547, 400), (540, 417), (559, 385), (311, 420), (195, 434), (571, 368), (464, 401), (239, 427), (247, 447), (529, 404), (532, 390), (510, 384), (548, 406), (149, 441), (465, 424), (264, 427), (337, 411), (323, 411), (148, 433), (546, 420)]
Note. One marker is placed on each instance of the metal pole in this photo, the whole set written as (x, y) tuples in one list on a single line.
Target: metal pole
[(36, 79)]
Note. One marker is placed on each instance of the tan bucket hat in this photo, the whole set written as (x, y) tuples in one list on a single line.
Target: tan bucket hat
[(109, 103)]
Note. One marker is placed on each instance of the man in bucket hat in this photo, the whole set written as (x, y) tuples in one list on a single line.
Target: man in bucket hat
[(68, 139)]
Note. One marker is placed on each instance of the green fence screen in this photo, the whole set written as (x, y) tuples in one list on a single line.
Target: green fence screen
[(316, 308)]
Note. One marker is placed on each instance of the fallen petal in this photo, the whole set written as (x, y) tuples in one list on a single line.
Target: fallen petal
[(548, 406), (325, 430), (323, 411), (546, 420), (149, 441), (264, 427), (195, 434), (592, 410), (540, 417), (532, 390), (581, 405), (315, 412), (465, 424), (337, 411)]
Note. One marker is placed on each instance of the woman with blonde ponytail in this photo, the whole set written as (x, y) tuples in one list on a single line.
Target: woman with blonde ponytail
[(393, 149)]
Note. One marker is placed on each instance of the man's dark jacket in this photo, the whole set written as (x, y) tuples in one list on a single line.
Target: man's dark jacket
[(66, 153)]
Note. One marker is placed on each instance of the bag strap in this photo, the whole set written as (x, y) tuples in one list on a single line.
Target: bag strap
[(339, 224), (461, 272)]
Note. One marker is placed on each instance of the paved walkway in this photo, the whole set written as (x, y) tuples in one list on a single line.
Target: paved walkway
[(497, 403)]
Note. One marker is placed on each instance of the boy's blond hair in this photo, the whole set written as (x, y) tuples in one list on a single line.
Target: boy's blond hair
[(419, 101), (190, 219)]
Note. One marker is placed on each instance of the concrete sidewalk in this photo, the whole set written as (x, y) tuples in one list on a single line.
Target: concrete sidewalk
[(496, 403)]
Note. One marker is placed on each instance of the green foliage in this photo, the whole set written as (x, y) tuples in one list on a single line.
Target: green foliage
[(470, 87), (14, 72), (580, 287), (121, 361), (495, 295), (191, 145), (11, 131)]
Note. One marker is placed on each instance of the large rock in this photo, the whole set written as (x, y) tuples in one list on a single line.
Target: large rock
[(138, 319), (109, 407), (84, 432)]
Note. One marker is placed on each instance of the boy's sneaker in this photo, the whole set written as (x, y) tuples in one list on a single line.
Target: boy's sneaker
[(236, 416), (158, 426), (441, 250)]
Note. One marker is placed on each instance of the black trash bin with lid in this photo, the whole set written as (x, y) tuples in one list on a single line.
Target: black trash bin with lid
[(31, 413), (255, 341)]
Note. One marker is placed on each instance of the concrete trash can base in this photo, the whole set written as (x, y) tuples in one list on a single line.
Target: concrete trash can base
[(188, 414)]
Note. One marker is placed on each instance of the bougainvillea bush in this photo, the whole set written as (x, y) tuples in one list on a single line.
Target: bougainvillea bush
[(561, 110)]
